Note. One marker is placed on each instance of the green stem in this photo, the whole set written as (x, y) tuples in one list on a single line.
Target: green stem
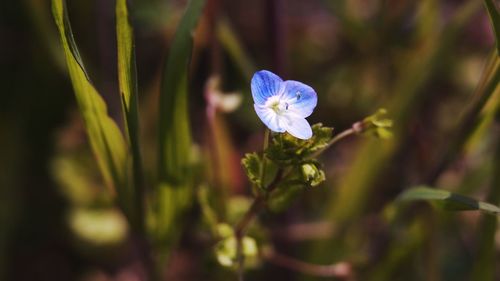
[(264, 159), (341, 136), (260, 200), (258, 204), (355, 129), (255, 208)]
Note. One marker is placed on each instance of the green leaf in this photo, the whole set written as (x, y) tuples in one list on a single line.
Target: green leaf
[(377, 125), (285, 149), (447, 200), (105, 138), (127, 76), (174, 133), (174, 137), (252, 165), (321, 137), (495, 21)]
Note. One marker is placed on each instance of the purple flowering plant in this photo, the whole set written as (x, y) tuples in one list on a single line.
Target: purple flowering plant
[(283, 105), (288, 164)]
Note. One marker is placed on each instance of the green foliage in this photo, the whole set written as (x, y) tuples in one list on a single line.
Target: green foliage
[(447, 200), (494, 15), (298, 180), (226, 250), (412, 66), (127, 77), (209, 214), (106, 140), (293, 156), (287, 192), (252, 165), (231, 44), (98, 227), (174, 138), (377, 125), (286, 150), (311, 174), (172, 202), (174, 132), (485, 264)]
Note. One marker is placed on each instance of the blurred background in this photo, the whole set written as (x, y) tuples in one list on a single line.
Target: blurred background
[(421, 60)]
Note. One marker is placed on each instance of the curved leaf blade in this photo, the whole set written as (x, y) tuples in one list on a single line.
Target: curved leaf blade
[(127, 77), (174, 137), (104, 135), (494, 15), (174, 132), (448, 200)]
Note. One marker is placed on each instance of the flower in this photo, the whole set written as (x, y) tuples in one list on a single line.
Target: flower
[(283, 105)]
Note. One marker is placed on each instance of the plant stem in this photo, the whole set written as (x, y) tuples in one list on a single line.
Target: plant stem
[(264, 160), (260, 200), (258, 204), (339, 270), (355, 129), (342, 135)]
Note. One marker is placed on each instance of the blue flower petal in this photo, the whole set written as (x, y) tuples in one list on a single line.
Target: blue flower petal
[(298, 127), (265, 84), (301, 98), (269, 118)]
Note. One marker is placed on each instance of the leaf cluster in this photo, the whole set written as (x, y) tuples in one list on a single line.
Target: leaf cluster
[(377, 125), (286, 150), (295, 159)]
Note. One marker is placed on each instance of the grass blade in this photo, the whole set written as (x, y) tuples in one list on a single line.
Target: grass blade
[(174, 133), (495, 20), (127, 76), (484, 265), (447, 200), (232, 45), (104, 135)]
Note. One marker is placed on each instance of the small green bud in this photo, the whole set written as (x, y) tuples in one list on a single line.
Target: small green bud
[(312, 174)]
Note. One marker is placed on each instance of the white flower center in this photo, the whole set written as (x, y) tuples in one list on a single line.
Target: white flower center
[(280, 105), (277, 105)]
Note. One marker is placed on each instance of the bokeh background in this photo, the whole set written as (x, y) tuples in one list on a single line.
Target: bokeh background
[(421, 60)]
